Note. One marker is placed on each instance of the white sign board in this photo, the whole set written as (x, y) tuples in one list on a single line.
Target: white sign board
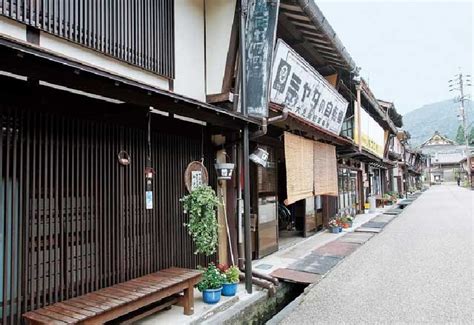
[(196, 179), (372, 134), (298, 86)]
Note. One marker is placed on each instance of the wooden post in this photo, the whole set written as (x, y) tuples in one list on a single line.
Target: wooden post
[(188, 300), (222, 231)]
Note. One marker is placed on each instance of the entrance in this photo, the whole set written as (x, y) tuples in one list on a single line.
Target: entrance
[(277, 225)]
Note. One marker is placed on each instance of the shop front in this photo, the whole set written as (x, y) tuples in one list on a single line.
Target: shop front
[(296, 191), (350, 188), (91, 181)]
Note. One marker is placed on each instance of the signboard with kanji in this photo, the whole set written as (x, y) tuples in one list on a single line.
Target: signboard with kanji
[(260, 39), (372, 135), (298, 86)]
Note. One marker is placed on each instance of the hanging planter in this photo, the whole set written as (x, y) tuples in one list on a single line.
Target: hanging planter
[(201, 206)]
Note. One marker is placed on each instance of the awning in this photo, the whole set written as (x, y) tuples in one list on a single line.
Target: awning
[(32, 61), (295, 122), (365, 157)]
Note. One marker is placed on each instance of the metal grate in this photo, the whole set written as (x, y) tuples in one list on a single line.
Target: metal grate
[(73, 220), (139, 32)]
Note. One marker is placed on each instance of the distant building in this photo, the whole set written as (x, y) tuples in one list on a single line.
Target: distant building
[(446, 158)]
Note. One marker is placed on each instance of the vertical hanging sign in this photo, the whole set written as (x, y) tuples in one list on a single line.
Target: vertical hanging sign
[(260, 40), (149, 188)]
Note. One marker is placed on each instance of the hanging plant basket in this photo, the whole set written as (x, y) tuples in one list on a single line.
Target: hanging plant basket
[(201, 206)]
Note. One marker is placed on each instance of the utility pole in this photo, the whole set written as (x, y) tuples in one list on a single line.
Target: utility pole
[(458, 83), (246, 167)]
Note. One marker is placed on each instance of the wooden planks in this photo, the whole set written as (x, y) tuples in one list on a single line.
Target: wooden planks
[(118, 300)]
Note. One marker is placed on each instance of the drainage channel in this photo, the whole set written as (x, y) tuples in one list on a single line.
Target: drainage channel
[(264, 307)]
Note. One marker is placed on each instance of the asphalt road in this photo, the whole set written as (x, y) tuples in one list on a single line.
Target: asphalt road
[(418, 270)]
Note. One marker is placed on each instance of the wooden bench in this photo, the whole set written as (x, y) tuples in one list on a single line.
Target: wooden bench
[(173, 286)]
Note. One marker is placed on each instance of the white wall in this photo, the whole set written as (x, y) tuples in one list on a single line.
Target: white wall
[(219, 20), (100, 61), (12, 29), (189, 49)]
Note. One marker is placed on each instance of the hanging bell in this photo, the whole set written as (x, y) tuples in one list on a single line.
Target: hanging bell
[(260, 157)]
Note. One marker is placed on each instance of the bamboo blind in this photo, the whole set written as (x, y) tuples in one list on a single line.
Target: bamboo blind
[(311, 168), (325, 169), (299, 158)]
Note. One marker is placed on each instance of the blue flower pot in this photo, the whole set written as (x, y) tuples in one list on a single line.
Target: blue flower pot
[(229, 289), (211, 296), (334, 230)]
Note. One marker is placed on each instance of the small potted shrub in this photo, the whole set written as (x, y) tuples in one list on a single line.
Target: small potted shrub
[(344, 222), (333, 226), (231, 274), (350, 220), (211, 284)]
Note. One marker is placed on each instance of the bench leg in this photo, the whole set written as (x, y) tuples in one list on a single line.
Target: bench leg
[(188, 300)]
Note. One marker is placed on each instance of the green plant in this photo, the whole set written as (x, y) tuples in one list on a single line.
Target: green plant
[(232, 274), (333, 223), (202, 226), (212, 278)]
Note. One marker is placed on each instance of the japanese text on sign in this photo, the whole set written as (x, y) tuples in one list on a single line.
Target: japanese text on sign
[(260, 31), (304, 91)]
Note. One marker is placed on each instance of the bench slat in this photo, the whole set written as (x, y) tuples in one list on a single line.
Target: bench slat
[(111, 303), (78, 310), (121, 293), (42, 319), (128, 291), (51, 314), (189, 273), (167, 281), (114, 295), (149, 283), (85, 304), (135, 288), (65, 312)]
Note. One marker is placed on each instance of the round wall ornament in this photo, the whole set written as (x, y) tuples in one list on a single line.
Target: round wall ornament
[(195, 175), (123, 158)]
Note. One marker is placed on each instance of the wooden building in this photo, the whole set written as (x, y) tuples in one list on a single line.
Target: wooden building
[(96, 100)]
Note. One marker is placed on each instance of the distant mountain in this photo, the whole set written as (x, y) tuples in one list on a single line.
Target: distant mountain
[(422, 122)]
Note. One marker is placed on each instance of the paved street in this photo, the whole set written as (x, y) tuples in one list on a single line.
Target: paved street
[(419, 269)]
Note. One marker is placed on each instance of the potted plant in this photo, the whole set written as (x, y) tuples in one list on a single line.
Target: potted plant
[(211, 284), (201, 205), (344, 222), (350, 220), (231, 274), (333, 226)]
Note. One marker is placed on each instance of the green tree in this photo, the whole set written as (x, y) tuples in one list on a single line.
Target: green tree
[(471, 136), (460, 135)]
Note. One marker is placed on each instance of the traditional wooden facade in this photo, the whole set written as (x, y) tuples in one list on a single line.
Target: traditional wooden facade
[(95, 97)]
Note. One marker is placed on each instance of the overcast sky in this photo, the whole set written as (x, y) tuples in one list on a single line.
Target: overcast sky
[(408, 50)]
